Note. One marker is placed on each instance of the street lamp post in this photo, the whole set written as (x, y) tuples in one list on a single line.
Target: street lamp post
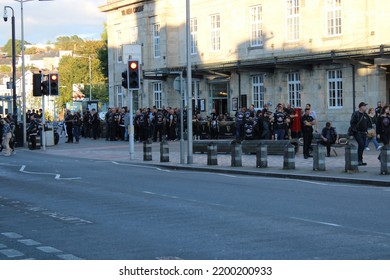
[(14, 107), (23, 68)]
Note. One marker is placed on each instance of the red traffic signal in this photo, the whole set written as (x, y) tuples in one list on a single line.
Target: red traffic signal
[(134, 74), (53, 84)]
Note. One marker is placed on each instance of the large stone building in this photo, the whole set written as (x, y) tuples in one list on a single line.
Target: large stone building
[(329, 53)]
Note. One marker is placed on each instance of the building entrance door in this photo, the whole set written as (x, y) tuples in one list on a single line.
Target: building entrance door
[(219, 93)]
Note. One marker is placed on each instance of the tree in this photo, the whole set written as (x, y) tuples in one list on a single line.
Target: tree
[(75, 70), (72, 43), (8, 47)]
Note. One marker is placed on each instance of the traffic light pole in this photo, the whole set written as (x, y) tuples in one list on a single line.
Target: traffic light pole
[(131, 132), (43, 135), (131, 128)]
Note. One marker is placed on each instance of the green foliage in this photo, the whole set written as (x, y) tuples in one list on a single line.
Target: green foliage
[(5, 69), (8, 47), (75, 70)]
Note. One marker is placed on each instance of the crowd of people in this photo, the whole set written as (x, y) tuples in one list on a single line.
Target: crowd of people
[(158, 124)]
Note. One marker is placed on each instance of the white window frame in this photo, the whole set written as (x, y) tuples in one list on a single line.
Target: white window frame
[(119, 96), (292, 20), (294, 89), (194, 35), (258, 91), (333, 18), (156, 40), (215, 32), (335, 88), (256, 26), (119, 49), (157, 95), (133, 35)]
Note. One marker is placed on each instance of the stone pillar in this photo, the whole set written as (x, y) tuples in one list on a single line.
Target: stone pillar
[(385, 160), (319, 158), (351, 159), (164, 151), (236, 152), (147, 151), (212, 154), (289, 157), (261, 156)]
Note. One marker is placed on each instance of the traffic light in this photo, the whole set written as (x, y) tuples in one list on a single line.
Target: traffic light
[(37, 86), (53, 84), (134, 74), (45, 88), (124, 79)]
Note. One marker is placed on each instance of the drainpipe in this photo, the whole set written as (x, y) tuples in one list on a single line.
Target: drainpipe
[(353, 88)]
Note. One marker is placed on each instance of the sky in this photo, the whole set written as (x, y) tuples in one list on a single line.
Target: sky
[(46, 20)]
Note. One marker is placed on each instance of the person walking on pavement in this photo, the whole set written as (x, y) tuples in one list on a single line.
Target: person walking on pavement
[(359, 124), (307, 130), (6, 137)]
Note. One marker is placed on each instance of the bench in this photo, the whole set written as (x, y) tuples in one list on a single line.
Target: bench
[(274, 147), (248, 146), (200, 146)]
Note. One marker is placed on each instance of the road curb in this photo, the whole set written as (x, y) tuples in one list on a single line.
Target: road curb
[(360, 181)]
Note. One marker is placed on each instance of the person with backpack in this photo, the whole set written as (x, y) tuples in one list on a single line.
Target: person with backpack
[(329, 136), (359, 124)]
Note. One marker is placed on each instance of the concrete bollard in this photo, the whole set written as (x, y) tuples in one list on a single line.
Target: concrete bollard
[(261, 156), (289, 157), (147, 151), (351, 159), (319, 158), (212, 154), (164, 151), (236, 153), (385, 160)]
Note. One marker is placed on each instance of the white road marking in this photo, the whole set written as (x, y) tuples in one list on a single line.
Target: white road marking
[(48, 249), (312, 182), (29, 242), (12, 235), (11, 253), (149, 193), (56, 175), (316, 222), (69, 257), (226, 175)]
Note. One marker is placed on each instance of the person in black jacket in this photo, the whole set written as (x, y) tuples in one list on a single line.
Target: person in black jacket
[(69, 126), (329, 136), (307, 130), (359, 124), (95, 123)]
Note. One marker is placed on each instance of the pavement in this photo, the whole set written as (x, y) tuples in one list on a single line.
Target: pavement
[(119, 151)]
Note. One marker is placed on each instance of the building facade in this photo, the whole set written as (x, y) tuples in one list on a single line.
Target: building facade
[(332, 54)]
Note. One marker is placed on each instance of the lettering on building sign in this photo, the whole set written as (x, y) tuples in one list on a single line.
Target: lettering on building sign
[(134, 10)]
